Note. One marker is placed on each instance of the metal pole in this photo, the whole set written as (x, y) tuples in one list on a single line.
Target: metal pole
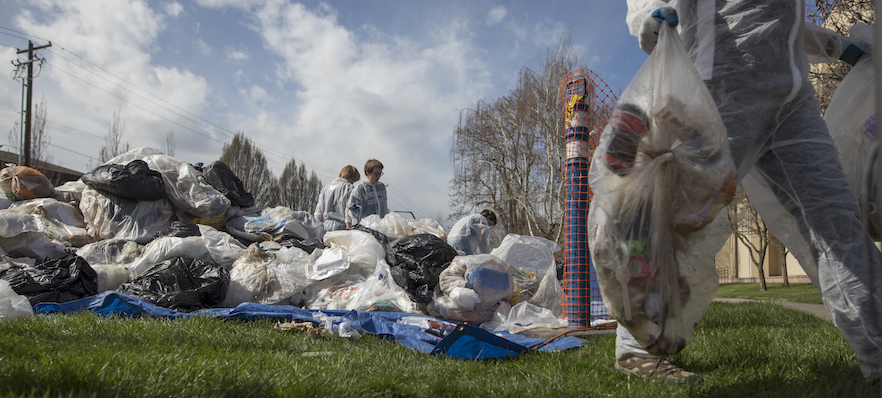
[(26, 145)]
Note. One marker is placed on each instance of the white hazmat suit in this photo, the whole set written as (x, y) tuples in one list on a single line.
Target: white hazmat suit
[(470, 235), (754, 56), (332, 202)]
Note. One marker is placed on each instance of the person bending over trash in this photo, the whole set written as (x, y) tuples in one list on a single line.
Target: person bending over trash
[(332, 201), (369, 197), (754, 61), (471, 234)]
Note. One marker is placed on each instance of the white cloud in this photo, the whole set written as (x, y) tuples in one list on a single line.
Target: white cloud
[(255, 94), (236, 56), (119, 37), (174, 9), (203, 47), (495, 15), (371, 96)]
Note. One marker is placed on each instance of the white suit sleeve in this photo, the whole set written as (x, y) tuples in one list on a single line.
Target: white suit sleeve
[(637, 11), (484, 238), (822, 45), (318, 210)]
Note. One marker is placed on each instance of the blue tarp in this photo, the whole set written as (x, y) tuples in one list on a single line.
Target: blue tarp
[(464, 342)]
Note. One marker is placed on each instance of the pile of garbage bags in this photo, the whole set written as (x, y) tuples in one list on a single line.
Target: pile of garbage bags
[(188, 237)]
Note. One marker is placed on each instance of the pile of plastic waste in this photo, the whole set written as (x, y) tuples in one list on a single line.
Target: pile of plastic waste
[(187, 237)]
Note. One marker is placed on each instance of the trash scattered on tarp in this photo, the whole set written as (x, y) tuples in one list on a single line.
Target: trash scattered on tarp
[(148, 233)]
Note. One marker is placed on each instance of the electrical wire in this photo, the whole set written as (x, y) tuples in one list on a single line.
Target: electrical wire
[(208, 125), (23, 33)]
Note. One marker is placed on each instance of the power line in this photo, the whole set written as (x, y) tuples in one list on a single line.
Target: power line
[(411, 202), (216, 128), (136, 105), (24, 33), (205, 123), (17, 37), (72, 151)]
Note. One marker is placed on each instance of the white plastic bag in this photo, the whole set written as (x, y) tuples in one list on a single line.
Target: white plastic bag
[(13, 305), (523, 316), (486, 275), (427, 226), (852, 104), (186, 189), (377, 291), (550, 292), (362, 250), (662, 170), (268, 277), (274, 222), (24, 235), (330, 263), (392, 225), (108, 216), (167, 248), (224, 248), (110, 258), (530, 253)]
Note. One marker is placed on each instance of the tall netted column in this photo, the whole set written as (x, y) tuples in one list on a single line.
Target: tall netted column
[(588, 103)]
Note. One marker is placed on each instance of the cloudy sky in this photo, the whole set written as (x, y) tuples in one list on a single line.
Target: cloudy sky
[(325, 83)]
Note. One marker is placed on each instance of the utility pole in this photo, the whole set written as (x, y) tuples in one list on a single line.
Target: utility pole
[(26, 145)]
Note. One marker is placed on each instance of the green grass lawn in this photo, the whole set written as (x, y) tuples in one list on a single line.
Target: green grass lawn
[(795, 293), (741, 350)]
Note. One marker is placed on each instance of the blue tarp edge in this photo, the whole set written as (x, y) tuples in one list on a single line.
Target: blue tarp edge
[(466, 342)]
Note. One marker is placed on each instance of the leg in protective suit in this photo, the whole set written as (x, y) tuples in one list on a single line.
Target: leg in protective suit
[(752, 56)]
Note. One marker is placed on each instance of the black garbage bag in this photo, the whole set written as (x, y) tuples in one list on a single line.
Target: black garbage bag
[(416, 261), (308, 245), (219, 175), (379, 236), (57, 281), (135, 181), (181, 284), (179, 229)]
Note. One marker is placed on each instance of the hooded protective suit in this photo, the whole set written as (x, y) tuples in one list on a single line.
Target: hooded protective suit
[(332, 202), (367, 199), (753, 56), (471, 234)]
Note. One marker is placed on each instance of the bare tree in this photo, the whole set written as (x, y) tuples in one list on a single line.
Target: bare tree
[(113, 140), (298, 190), (838, 16), (170, 143), (508, 152), (41, 158), (784, 252), (750, 230), (247, 161)]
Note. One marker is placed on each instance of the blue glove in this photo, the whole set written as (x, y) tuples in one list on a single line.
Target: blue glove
[(648, 36), (667, 14)]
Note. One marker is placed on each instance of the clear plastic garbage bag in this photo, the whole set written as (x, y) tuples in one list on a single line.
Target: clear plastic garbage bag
[(392, 225), (13, 305), (167, 248), (661, 172), (109, 258), (268, 277), (471, 288), (109, 216), (852, 104)]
